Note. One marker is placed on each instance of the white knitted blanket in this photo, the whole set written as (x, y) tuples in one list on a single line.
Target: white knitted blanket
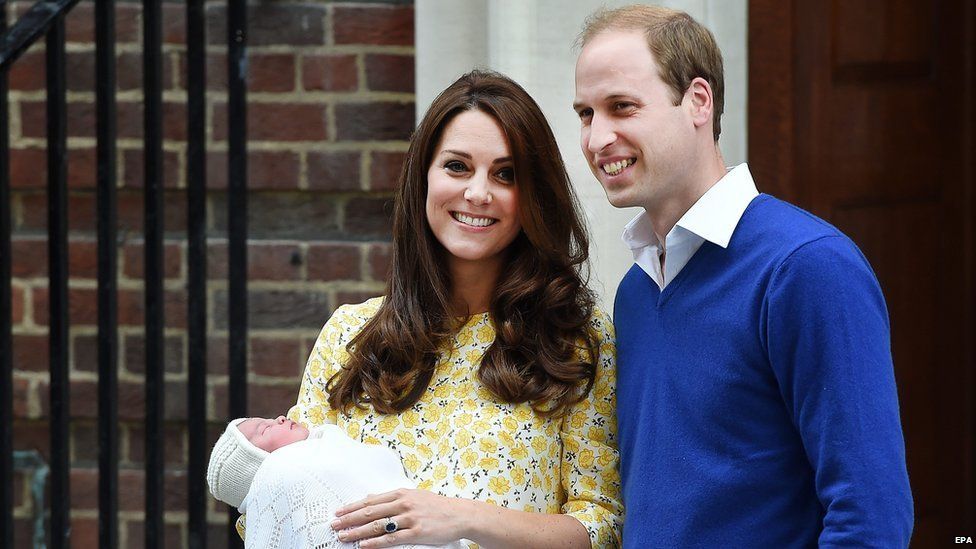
[(298, 488)]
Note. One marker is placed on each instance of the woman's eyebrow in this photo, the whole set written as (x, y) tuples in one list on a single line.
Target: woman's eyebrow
[(458, 153)]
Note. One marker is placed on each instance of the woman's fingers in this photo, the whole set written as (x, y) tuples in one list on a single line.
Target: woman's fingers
[(374, 529), (365, 515), (372, 499)]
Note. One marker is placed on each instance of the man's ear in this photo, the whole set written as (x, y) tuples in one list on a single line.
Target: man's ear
[(699, 98)]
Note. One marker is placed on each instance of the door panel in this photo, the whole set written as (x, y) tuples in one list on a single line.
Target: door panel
[(862, 112)]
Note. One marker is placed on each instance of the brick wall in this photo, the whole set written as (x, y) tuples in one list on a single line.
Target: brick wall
[(330, 109)]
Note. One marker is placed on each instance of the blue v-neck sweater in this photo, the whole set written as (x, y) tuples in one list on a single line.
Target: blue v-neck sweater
[(756, 396)]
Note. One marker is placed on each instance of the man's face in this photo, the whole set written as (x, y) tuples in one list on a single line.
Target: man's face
[(638, 143), (271, 434)]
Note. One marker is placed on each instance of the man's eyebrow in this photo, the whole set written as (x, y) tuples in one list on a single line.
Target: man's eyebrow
[(577, 105)]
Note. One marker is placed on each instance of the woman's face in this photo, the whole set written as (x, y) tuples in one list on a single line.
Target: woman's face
[(472, 195)]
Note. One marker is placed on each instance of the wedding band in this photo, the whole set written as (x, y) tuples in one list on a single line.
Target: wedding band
[(391, 525)]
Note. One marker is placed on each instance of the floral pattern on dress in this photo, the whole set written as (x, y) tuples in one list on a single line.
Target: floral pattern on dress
[(458, 440)]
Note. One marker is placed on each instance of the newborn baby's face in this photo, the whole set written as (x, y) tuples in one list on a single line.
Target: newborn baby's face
[(271, 434)]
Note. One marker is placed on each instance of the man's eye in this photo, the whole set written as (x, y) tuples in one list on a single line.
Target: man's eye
[(622, 106), (455, 166), (585, 113)]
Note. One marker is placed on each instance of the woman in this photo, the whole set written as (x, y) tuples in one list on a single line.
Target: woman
[(485, 366)]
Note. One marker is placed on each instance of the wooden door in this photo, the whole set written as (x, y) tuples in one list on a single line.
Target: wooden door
[(862, 111)]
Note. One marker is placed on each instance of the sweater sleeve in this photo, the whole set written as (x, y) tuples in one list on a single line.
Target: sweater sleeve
[(827, 333), (590, 460)]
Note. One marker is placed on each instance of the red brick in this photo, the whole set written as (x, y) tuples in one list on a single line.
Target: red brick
[(380, 261), (84, 353), (84, 490), (82, 310), (173, 534), (84, 532), (276, 309), (284, 215), (134, 172), (24, 533), (29, 257), (384, 170), (31, 353), (276, 357), (370, 218), (83, 259), (376, 121), (383, 25), (28, 168), (28, 72), (217, 350), (18, 490), (272, 23), (130, 400), (265, 170), (174, 23), (22, 390), (84, 442), (388, 72), (80, 24), (264, 261), (81, 119), (333, 261), (81, 212), (276, 122), (216, 71), (334, 170), (329, 73), (174, 444), (134, 354), (272, 400), (273, 72), (343, 298), (17, 305), (133, 260), (128, 71), (32, 435)]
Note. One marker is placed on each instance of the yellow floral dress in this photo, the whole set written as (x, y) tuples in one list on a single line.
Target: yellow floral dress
[(459, 441)]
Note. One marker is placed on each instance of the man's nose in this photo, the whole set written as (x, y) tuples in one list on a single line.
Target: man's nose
[(601, 134)]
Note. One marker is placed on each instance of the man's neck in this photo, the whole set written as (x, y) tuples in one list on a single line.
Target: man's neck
[(698, 181)]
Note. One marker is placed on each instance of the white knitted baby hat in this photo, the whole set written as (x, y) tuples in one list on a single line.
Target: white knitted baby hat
[(233, 463)]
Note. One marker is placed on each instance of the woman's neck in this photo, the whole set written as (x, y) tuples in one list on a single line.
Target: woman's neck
[(473, 285)]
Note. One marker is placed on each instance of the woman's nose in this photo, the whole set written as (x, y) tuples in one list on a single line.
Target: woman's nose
[(477, 192)]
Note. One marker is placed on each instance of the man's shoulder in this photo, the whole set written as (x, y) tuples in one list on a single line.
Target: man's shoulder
[(777, 228)]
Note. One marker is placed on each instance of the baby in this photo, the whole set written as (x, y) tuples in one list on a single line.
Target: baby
[(290, 480)]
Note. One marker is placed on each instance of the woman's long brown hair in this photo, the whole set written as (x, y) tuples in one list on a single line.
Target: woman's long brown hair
[(541, 306)]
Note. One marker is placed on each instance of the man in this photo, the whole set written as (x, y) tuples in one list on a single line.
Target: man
[(756, 394)]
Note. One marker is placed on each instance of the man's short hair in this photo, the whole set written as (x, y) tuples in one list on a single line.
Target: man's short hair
[(683, 48)]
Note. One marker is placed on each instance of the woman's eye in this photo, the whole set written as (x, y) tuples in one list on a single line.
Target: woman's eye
[(506, 174), (455, 166)]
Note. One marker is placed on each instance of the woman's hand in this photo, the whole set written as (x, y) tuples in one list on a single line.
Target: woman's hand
[(421, 517)]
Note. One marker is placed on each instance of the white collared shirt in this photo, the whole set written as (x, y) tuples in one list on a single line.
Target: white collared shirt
[(713, 218)]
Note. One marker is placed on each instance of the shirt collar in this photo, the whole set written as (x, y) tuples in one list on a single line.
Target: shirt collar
[(713, 217)]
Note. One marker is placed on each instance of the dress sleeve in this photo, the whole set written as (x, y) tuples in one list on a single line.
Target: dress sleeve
[(827, 334), (312, 408), (590, 476)]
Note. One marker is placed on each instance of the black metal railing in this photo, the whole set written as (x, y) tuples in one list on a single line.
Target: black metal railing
[(46, 17)]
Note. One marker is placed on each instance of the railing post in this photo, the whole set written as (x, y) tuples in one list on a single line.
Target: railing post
[(6, 320), (237, 214), (153, 272), (196, 196), (57, 239), (108, 428)]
